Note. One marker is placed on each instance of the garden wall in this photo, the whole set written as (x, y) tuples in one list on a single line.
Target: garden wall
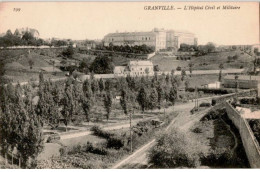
[(250, 143)]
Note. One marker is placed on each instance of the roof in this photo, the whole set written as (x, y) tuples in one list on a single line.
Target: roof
[(243, 77), (129, 34), (141, 63)]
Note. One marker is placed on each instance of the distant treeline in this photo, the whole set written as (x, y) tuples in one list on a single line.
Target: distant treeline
[(28, 39), (142, 49)]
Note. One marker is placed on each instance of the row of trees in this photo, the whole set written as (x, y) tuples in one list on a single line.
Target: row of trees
[(20, 127), (142, 49), (10, 39), (22, 117)]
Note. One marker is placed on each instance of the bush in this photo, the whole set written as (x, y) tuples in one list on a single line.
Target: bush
[(212, 90), (178, 68), (97, 131), (204, 104), (112, 141), (174, 150), (213, 102)]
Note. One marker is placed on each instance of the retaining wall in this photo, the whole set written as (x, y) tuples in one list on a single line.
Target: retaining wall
[(250, 143)]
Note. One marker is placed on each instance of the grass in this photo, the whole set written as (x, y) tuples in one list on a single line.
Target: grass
[(208, 62)]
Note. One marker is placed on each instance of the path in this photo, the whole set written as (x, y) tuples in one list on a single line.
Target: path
[(139, 158)]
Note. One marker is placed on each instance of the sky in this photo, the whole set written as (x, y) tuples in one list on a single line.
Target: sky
[(93, 20)]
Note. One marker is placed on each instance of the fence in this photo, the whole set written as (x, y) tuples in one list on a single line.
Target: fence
[(250, 143)]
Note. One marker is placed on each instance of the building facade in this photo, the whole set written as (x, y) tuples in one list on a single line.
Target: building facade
[(157, 38), (243, 81), (135, 68)]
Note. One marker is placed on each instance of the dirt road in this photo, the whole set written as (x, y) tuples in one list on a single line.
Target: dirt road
[(183, 121)]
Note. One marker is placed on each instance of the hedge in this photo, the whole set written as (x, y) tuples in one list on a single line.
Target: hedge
[(212, 90)]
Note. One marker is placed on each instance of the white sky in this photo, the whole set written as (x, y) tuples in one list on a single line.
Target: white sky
[(93, 20)]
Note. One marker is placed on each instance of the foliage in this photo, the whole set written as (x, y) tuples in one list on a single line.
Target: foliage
[(102, 65), (20, 127), (108, 103), (68, 52), (173, 150), (142, 98)]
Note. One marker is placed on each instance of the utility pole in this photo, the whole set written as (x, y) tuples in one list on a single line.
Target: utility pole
[(131, 138)]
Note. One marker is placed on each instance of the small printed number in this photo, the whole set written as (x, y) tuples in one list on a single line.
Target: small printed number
[(17, 9)]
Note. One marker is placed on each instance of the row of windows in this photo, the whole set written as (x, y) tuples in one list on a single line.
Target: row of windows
[(123, 39)]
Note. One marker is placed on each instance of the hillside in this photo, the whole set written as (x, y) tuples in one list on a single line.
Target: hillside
[(208, 62)]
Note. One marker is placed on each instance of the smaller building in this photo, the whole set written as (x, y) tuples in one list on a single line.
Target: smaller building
[(215, 85), (135, 68), (243, 81)]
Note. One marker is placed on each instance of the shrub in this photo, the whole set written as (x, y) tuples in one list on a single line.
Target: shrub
[(178, 68), (97, 131), (204, 104), (174, 150), (115, 142), (213, 102)]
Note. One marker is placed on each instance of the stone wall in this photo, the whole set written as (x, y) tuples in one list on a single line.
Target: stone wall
[(250, 143)]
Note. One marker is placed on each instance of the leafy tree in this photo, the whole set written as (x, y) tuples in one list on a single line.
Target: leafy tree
[(190, 67), (174, 150), (124, 101), (101, 85), (102, 65), (187, 84), (108, 103), (142, 98), (68, 105), (84, 66), (173, 95), (31, 63), (160, 95), (221, 66), (68, 52), (87, 90), (183, 74), (153, 99), (108, 85), (86, 104)]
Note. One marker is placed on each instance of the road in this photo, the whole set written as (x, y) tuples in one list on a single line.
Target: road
[(183, 121)]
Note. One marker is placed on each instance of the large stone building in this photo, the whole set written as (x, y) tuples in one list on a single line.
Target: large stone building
[(157, 38), (135, 68)]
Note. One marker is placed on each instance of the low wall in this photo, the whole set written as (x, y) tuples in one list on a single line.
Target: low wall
[(223, 98), (250, 143)]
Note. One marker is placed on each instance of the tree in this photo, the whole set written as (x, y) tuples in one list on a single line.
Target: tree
[(236, 80), (142, 98), (87, 90), (84, 66), (108, 103), (187, 84), (153, 99), (102, 65), (183, 74), (101, 85), (86, 104), (160, 95), (124, 101), (221, 66), (31, 63), (173, 95), (190, 67), (67, 106), (68, 52), (174, 150)]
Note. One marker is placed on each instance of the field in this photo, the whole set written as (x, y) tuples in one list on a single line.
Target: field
[(208, 62)]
